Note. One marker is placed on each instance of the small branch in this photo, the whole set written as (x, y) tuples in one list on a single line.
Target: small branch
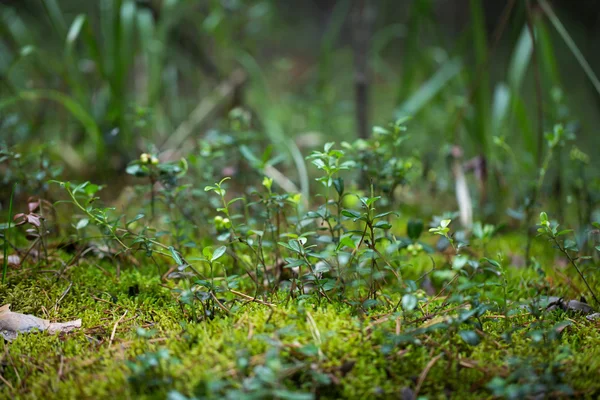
[(250, 298), (423, 375)]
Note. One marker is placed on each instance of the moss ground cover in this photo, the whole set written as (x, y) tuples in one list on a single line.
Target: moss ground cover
[(138, 342)]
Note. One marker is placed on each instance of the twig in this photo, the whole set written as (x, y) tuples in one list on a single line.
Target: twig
[(62, 296), (221, 306), (424, 374), (7, 383), (112, 335), (245, 296)]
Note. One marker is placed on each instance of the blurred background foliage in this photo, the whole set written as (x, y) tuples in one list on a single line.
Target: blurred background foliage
[(92, 84)]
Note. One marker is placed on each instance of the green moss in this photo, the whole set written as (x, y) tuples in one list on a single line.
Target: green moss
[(351, 354)]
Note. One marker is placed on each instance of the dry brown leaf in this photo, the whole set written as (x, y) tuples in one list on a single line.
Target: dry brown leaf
[(11, 324)]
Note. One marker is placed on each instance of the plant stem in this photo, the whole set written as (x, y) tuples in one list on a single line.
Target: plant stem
[(5, 260), (574, 264)]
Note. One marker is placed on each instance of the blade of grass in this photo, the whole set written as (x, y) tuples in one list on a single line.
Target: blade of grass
[(420, 11), (107, 25), (500, 108), (547, 54), (124, 53), (481, 97), (562, 31), (538, 87), (76, 110), (524, 123), (5, 260), (338, 16), (480, 70), (430, 89), (520, 59), (73, 76), (151, 48), (273, 128), (56, 16)]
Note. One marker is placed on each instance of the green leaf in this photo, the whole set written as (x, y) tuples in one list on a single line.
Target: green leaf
[(409, 302), (350, 213), (338, 184), (491, 261), (414, 228), (230, 202), (470, 337), (137, 218), (218, 253), (385, 214), (564, 232), (82, 223), (380, 130), (382, 225), (175, 255), (348, 242)]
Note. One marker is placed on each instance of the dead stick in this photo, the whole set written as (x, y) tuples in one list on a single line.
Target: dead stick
[(424, 374), (112, 335)]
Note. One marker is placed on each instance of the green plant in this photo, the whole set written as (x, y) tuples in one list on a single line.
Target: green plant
[(566, 246), (150, 370)]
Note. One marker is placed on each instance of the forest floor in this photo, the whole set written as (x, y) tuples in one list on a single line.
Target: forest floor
[(137, 341)]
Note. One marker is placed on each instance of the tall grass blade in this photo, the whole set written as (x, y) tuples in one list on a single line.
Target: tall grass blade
[(339, 14), (76, 110), (500, 107), (107, 28), (273, 128), (546, 48), (562, 31), (150, 47), (481, 97), (517, 70), (525, 126), (427, 91), (520, 60), (56, 16), (73, 75), (413, 59)]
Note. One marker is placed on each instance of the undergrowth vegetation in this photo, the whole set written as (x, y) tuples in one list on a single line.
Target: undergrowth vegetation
[(229, 291), (150, 186)]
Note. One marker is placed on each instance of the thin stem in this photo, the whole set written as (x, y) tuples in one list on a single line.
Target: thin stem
[(5, 259), (574, 264)]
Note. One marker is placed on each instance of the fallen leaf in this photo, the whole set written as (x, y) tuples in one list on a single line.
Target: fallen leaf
[(593, 317), (13, 260), (11, 324), (579, 306)]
